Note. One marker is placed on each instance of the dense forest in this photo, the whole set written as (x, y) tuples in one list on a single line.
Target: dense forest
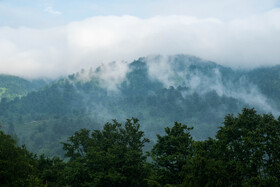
[(159, 93), (155, 90), (244, 152), (13, 86), (69, 140)]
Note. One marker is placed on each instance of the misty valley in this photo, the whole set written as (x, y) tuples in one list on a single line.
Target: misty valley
[(159, 120)]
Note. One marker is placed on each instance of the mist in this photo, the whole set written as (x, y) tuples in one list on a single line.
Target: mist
[(194, 75), (245, 42), (180, 70)]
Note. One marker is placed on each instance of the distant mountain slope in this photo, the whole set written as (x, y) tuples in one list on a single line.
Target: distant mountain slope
[(13, 86), (158, 90), (268, 81)]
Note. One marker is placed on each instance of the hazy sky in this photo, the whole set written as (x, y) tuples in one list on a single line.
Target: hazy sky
[(50, 38)]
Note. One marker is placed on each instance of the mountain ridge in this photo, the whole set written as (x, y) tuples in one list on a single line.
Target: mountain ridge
[(154, 91)]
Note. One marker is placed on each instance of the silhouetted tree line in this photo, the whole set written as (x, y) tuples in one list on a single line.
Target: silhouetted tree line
[(245, 152)]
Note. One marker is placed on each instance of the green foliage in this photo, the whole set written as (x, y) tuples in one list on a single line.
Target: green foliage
[(110, 156), (171, 152), (249, 144), (17, 165), (12, 86), (51, 171), (138, 95), (245, 152), (205, 167), (267, 79)]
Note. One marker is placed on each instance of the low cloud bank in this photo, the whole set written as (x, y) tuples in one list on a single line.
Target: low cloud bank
[(33, 53)]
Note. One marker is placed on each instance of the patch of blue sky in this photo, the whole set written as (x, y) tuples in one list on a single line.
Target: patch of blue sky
[(45, 13), (50, 13)]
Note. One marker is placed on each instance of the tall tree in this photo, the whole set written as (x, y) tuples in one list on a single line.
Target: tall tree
[(249, 144), (113, 155), (17, 165), (171, 152)]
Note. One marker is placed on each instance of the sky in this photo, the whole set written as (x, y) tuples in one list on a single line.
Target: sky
[(51, 38)]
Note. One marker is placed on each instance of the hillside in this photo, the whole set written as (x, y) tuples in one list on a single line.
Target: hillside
[(13, 86), (157, 90)]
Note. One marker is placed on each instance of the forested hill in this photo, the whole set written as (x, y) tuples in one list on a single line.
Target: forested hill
[(267, 80), (245, 152), (13, 86), (157, 90)]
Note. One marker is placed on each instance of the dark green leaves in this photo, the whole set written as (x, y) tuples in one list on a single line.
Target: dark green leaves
[(110, 156), (171, 152)]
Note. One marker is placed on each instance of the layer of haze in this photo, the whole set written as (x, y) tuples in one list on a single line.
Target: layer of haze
[(232, 33)]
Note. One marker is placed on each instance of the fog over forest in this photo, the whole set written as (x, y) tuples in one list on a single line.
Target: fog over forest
[(139, 93), (239, 40)]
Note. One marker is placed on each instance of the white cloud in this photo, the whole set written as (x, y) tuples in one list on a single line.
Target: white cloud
[(244, 42), (52, 11)]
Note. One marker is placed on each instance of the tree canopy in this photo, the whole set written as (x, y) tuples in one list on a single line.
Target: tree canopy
[(245, 152)]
